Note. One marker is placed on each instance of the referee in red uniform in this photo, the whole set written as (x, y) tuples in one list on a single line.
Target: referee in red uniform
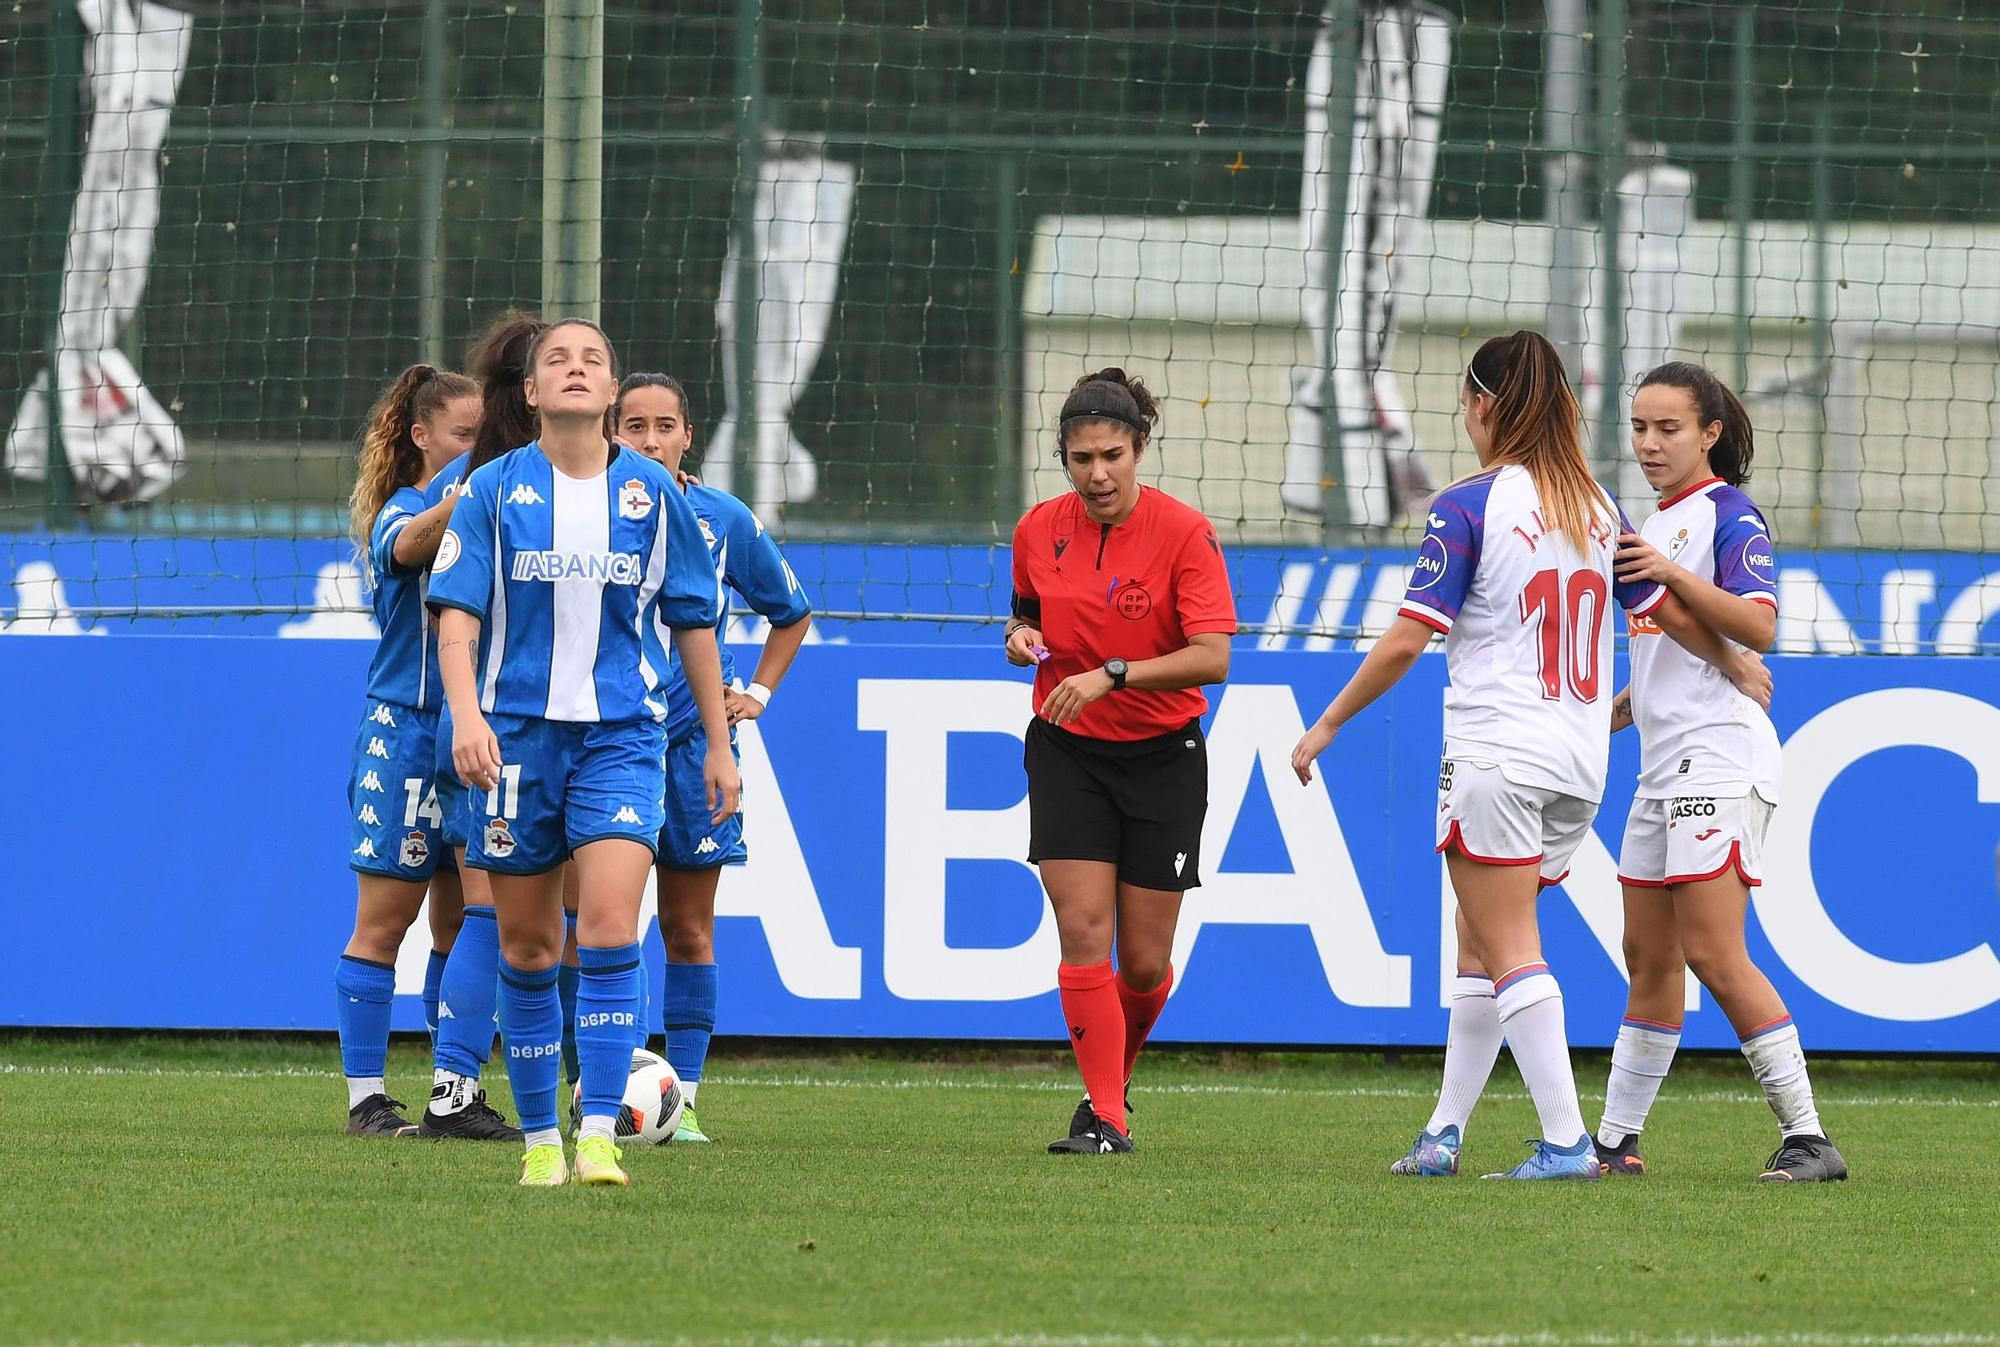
[(1122, 603)]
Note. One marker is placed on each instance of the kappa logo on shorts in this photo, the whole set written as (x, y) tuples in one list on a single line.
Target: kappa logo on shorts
[(499, 839), (380, 715), (367, 848), (414, 851), (626, 814), (372, 782), (705, 846), (369, 816), (633, 501), (523, 494), (377, 749)]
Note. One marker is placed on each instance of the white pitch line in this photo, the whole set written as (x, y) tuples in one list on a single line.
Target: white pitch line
[(1545, 1339), (921, 1083)]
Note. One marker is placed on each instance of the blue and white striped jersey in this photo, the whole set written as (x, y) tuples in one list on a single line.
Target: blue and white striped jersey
[(749, 562), (399, 672), (577, 582)]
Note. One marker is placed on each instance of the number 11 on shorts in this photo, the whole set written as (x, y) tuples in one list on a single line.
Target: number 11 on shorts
[(504, 800)]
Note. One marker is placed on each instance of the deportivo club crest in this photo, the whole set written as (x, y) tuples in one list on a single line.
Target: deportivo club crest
[(633, 501)]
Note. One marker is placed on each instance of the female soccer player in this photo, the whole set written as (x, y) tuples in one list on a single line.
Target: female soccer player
[(470, 982), (652, 416), (1708, 777), (1122, 605), (426, 416), (1515, 570), (574, 557)]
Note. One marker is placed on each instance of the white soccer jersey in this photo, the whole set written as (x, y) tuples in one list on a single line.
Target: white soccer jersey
[(1698, 735), (1526, 636)]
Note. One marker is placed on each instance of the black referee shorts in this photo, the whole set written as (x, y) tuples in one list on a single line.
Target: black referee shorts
[(1138, 804)]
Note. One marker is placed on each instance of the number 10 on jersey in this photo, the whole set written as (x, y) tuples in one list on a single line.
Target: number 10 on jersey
[(1557, 611)]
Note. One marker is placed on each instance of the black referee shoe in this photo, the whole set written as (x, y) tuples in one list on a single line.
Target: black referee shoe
[(1804, 1159), (1085, 1115), (379, 1116), (1100, 1138)]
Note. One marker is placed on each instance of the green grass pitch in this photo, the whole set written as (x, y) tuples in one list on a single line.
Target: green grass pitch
[(199, 1191)]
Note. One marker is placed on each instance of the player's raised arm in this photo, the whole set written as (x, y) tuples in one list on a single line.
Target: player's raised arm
[(1447, 561)]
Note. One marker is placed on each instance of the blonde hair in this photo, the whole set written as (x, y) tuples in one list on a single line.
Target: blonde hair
[(1534, 424), (389, 456)]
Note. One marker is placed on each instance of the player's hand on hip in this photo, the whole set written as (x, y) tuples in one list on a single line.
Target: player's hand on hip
[(724, 786), (1024, 646), (1309, 748), (1751, 677), (1074, 693), (475, 752), (1639, 561), (740, 707)]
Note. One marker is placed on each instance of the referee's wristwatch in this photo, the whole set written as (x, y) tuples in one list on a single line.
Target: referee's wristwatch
[(1117, 668)]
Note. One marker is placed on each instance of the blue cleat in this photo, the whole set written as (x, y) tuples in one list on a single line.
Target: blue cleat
[(1430, 1157), (1557, 1162)]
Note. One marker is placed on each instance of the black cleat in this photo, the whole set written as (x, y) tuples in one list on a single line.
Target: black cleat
[(1804, 1159), (1085, 1115), (1100, 1138), (1620, 1160), (477, 1121), (379, 1116)]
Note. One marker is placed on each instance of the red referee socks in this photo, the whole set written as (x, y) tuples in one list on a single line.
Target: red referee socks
[(1096, 1019), (1142, 1011)]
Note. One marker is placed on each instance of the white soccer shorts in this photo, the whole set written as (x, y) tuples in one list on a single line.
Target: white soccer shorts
[(1692, 838), (1487, 818)]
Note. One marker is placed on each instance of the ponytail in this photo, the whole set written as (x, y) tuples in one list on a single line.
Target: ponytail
[(390, 458), (1534, 424), (499, 361), (1729, 457)]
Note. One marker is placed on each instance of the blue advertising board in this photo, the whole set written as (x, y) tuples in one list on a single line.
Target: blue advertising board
[(1892, 603), (177, 841)]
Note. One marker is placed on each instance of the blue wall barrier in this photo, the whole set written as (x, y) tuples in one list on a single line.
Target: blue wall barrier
[(177, 844), (1895, 603)]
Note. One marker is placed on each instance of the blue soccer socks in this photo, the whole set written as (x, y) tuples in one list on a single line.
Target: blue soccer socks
[(433, 980), (363, 992), (607, 1018), (531, 1027), (690, 1018), (468, 995)]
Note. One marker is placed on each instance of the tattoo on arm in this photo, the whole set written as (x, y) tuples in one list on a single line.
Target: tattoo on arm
[(427, 535), (1623, 706)]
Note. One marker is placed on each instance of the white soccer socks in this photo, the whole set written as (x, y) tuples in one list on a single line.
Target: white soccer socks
[(1639, 1062), (1471, 1046), (1779, 1064), (1531, 1016)]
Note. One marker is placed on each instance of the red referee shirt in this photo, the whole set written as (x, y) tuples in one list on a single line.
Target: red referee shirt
[(1132, 591)]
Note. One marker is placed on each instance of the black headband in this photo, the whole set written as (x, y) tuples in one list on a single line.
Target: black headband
[(1102, 414)]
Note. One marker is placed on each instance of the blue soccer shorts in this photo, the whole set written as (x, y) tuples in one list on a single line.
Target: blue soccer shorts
[(565, 784), (395, 811), (453, 797), (689, 841)]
